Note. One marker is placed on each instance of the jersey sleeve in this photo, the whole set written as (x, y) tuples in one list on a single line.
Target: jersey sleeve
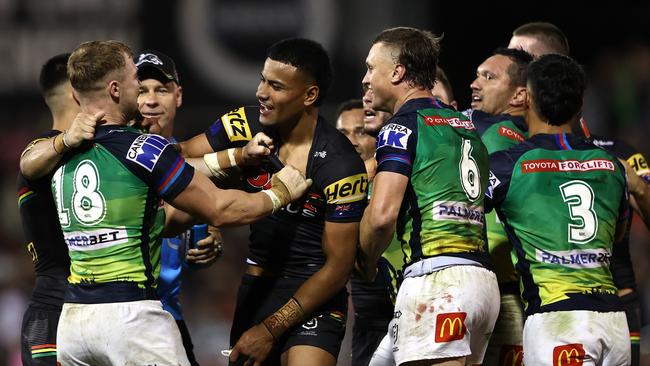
[(233, 129), (501, 166), (154, 160), (396, 146), (345, 186)]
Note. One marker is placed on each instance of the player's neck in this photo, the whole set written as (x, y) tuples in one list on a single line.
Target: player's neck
[(302, 130), (113, 115), (514, 111), (408, 94), (63, 119), (537, 126)]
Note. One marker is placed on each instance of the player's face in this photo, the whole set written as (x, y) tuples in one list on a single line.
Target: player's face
[(529, 44), (129, 88), (491, 90), (373, 120), (379, 75), (282, 93), (159, 100), (351, 124)]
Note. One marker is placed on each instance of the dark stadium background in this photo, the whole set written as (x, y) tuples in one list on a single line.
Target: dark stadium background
[(219, 49)]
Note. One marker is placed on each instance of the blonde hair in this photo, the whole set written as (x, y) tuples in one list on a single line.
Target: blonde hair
[(92, 61)]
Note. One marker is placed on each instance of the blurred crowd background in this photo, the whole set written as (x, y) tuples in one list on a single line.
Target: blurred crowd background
[(219, 49)]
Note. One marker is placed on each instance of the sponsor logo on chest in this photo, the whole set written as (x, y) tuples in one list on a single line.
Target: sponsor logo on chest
[(146, 149), (550, 165)]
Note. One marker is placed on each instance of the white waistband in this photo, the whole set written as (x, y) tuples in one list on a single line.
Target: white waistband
[(432, 264)]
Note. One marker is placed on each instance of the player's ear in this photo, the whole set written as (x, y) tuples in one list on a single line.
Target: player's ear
[(519, 97), (179, 96), (114, 89), (399, 72), (311, 95)]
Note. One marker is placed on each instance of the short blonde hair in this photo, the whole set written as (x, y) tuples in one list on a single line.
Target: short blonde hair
[(91, 61)]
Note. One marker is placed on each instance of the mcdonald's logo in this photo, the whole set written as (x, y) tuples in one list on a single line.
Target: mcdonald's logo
[(511, 355), (568, 355), (450, 327)]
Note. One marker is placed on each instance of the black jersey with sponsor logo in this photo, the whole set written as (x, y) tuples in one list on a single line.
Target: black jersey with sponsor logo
[(43, 235), (621, 264), (289, 242)]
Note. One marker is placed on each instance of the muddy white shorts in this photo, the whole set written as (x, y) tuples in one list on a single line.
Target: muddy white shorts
[(578, 337), (123, 333), (445, 314)]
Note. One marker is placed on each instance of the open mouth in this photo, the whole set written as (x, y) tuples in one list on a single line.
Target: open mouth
[(476, 99), (369, 115), (265, 109)]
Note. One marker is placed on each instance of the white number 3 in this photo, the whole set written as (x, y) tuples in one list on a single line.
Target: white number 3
[(579, 196)]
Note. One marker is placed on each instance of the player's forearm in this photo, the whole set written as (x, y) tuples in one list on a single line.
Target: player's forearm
[(234, 207), (316, 291), (376, 234), (42, 157), (641, 202)]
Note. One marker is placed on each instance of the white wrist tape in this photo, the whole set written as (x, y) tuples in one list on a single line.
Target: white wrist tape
[(212, 163), (231, 157), (274, 199)]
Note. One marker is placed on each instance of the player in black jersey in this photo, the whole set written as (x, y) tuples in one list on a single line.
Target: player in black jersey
[(292, 301), (539, 38), (42, 230)]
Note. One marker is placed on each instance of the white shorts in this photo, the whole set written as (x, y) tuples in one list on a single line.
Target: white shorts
[(383, 355), (449, 313), (124, 333), (578, 337), (505, 347)]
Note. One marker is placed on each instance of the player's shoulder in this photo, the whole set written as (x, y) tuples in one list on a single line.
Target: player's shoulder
[(331, 141), (616, 146), (238, 124)]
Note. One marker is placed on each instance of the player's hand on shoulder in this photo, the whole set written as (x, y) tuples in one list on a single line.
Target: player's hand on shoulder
[(257, 149), (82, 128)]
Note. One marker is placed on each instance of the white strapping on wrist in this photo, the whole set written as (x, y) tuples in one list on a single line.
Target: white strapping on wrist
[(212, 163), (231, 157), (274, 199)]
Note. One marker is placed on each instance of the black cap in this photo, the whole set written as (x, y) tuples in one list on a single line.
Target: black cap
[(151, 59)]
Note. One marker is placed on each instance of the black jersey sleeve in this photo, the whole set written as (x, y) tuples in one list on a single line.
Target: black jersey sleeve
[(396, 145), (343, 180), (234, 129)]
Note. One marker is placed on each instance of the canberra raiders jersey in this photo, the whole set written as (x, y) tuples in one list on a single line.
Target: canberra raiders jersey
[(621, 265), (560, 199), (43, 235), (289, 242), (499, 132), (440, 152), (108, 196)]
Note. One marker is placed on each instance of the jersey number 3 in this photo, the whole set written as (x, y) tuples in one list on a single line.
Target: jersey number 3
[(579, 196), (88, 203)]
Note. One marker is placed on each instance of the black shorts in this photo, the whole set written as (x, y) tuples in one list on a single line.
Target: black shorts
[(366, 336), (38, 335), (259, 297)]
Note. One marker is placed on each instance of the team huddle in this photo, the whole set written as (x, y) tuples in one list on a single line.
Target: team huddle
[(497, 235)]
